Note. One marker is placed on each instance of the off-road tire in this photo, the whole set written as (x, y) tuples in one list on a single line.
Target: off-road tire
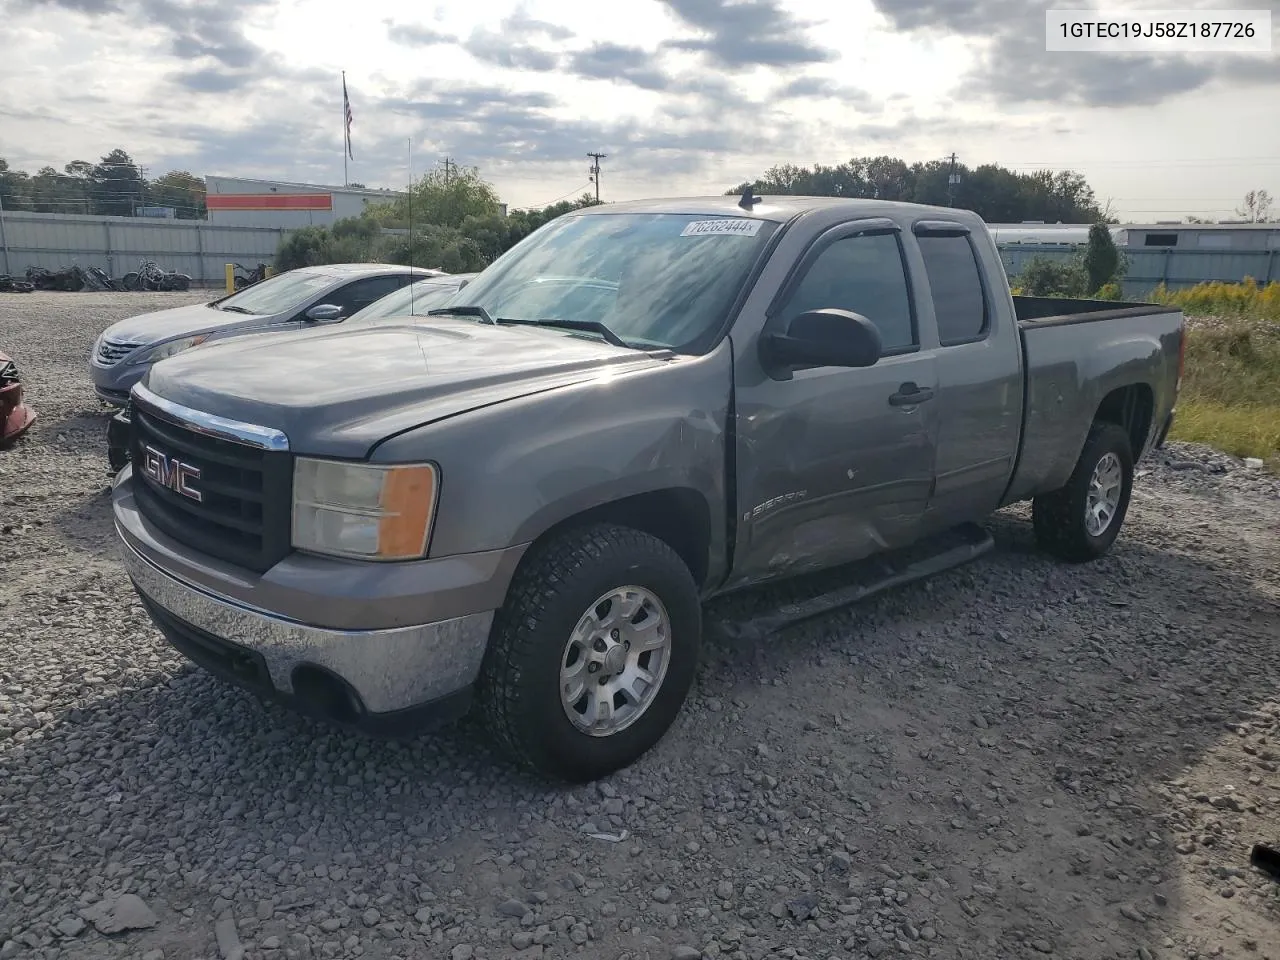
[(519, 687), (1059, 517)]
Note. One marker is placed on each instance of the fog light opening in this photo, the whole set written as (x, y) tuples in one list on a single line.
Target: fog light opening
[(326, 694)]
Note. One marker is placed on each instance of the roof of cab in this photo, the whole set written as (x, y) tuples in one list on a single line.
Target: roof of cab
[(355, 269), (778, 208)]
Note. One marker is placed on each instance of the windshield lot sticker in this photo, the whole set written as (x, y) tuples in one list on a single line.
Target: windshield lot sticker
[(721, 228)]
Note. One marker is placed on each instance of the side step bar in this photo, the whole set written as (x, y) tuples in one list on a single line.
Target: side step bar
[(866, 578)]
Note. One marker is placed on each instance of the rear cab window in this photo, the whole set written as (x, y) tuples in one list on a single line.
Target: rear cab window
[(959, 298)]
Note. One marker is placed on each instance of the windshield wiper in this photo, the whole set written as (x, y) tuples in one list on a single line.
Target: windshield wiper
[(236, 310), (464, 311), (590, 326)]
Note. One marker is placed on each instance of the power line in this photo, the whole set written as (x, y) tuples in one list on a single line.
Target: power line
[(585, 186), (594, 170)]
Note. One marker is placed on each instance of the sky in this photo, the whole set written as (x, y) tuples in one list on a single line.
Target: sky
[(685, 97)]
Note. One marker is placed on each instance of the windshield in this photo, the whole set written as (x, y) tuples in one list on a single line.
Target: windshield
[(413, 300), (663, 280), (278, 294)]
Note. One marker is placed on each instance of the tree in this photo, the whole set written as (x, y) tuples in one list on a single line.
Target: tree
[(1102, 262), (997, 195), (118, 187), (181, 190), (442, 198), (1257, 206)]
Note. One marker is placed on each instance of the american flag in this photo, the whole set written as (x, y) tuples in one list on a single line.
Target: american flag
[(346, 103)]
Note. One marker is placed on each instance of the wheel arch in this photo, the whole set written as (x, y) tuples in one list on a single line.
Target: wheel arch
[(1131, 407), (678, 516)]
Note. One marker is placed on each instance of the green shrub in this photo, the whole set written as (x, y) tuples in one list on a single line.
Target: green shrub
[(1045, 277), (1102, 261)]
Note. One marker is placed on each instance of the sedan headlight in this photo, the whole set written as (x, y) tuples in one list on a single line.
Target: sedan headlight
[(169, 348), (363, 510)]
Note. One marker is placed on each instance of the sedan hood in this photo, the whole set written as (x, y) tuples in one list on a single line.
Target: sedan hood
[(175, 322), (337, 392)]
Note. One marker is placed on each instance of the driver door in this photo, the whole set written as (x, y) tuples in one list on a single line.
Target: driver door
[(834, 463)]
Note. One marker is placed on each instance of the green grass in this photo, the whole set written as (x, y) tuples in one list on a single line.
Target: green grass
[(1231, 387)]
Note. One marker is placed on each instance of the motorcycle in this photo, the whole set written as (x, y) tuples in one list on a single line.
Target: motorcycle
[(10, 284), (150, 276), (243, 277)]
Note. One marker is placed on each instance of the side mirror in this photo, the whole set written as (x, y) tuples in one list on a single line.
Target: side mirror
[(825, 338), (324, 312)]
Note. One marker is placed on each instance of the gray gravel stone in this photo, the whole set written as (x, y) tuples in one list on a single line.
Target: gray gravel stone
[(228, 939), (1137, 692), (71, 926)]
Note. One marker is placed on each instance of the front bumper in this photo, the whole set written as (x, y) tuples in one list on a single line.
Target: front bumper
[(113, 383), (384, 680), (16, 417)]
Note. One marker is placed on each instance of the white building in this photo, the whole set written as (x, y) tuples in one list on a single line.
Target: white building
[(240, 202)]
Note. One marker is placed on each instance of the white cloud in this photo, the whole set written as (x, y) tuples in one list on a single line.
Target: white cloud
[(684, 95)]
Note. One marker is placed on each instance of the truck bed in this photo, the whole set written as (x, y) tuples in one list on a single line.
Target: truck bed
[(1059, 311), (1082, 356)]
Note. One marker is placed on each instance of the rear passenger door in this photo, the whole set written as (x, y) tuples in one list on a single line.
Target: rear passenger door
[(833, 463), (979, 378)]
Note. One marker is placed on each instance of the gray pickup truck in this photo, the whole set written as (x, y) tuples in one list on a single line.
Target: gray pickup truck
[(522, 504)]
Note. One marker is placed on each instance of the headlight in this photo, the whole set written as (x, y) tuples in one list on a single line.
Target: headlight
[(170, 347), (363, 510)]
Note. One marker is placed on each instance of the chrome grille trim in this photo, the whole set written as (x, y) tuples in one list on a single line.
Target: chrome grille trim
[(110, 352), (250, 434)]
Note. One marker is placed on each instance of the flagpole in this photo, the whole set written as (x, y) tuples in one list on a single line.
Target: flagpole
[(345, 134), (412, 280)]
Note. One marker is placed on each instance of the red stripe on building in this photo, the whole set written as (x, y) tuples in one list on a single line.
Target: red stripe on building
[(269, 201)]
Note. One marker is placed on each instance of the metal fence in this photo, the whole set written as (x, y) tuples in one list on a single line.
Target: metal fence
[(197, 248), (117, 244), (1148, 268)]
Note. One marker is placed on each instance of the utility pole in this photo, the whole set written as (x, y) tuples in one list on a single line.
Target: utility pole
[(594, 170), (953, 180), (449, 167)]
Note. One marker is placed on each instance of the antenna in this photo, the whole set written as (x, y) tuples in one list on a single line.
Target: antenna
[(412, 278), (747, 200)]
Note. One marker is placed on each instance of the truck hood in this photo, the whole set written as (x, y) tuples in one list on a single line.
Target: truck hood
[(337, 392), (176, 322)]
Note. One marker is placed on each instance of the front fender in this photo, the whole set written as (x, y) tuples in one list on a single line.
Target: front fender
[(511, 471)]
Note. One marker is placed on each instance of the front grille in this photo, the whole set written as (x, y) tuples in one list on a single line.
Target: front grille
[(243, 515), (111, 352)]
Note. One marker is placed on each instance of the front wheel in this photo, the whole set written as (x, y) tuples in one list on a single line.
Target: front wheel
[(1081, 521), (131, 281), (593, 654)]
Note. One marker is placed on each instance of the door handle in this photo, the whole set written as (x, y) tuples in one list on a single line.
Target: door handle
[(909, 394)]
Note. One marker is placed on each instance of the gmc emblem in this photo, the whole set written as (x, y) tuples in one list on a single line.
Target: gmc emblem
[(171, 472)]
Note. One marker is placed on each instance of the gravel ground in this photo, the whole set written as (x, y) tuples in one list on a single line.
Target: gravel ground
[(1015, 759)]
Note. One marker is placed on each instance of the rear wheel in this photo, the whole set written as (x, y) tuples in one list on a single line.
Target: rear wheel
[(131, 281), (593, 654), (1081, 521)]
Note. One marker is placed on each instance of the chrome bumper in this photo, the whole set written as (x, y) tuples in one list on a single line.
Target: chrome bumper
[(390, 670)]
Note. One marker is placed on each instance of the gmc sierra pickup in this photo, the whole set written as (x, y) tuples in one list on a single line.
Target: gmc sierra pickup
[(524, 501)]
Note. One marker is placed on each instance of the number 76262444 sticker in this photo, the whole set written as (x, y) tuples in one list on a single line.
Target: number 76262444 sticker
[(722, 227)]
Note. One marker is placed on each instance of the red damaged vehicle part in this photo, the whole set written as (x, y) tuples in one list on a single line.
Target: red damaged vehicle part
[(15, 416)]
